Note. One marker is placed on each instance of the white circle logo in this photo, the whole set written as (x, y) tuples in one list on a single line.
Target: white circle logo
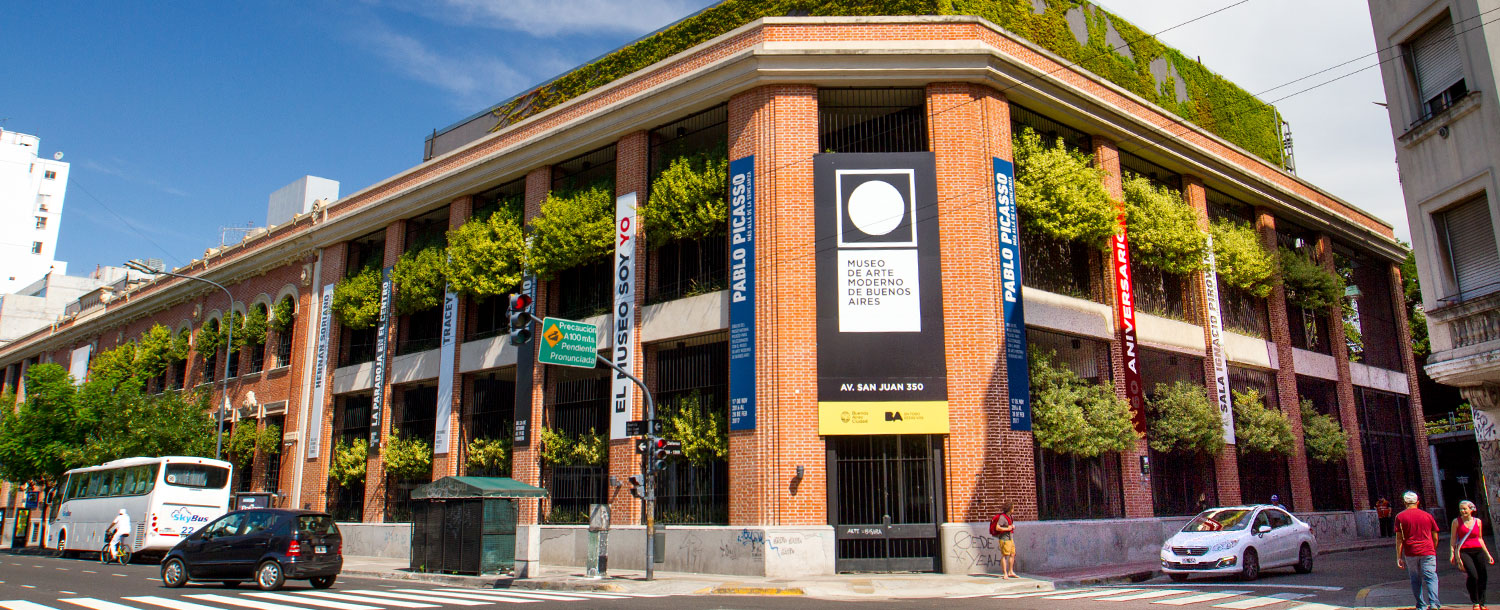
[(876, 207)]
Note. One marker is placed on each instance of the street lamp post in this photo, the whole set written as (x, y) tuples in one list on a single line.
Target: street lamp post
[(228, 349)]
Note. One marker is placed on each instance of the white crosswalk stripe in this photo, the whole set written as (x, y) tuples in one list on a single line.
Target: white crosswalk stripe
[(1256, 602), (21, 604), (1315, 607), (96, 604), (319, 603), (242, 602), (419, 598), (1020, 595), (173, 604), (348, 597), (1199, 598), (1143, 595), (468, 596), (1083, 594)]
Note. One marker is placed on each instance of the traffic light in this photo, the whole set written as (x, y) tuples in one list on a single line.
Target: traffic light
[(520, 319), (637, 485), (663, 449)]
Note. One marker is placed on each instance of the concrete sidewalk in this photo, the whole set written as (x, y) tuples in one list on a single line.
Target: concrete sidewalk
[(842, 586)]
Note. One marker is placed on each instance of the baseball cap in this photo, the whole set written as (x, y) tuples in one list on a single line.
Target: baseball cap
[(1410, 497)]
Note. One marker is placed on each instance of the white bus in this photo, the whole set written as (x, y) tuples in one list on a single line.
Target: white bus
[(167, 498)]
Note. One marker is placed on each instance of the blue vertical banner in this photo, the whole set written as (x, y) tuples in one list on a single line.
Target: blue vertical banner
[(377, 402), (1007, 221), (742, 294)]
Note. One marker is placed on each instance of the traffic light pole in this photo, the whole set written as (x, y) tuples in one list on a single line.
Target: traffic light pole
[(519, 310), (648, 474)]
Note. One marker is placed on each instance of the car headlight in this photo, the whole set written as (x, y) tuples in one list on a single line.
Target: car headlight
[(1166, 548), (1224, 546)]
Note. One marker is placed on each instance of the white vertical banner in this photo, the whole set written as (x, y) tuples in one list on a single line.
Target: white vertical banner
[(445, 374), (320, 374), (622, 340), (79, 364), (1216, 345)]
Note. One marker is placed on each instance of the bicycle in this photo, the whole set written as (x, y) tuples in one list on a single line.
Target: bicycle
[(121, 554)]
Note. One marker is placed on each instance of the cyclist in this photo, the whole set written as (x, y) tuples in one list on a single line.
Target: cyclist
[(118, 530)]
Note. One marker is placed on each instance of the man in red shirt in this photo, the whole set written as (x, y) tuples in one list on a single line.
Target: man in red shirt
[(1416, 550)]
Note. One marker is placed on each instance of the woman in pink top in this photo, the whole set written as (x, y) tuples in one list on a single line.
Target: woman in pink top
[(1466, 542)]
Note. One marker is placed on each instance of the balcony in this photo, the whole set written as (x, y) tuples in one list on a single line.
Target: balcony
[(1465, 341)]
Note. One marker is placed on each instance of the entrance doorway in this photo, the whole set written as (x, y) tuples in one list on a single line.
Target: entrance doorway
[(884, 502)]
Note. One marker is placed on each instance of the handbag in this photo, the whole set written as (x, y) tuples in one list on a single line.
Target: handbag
[(1457, 558)]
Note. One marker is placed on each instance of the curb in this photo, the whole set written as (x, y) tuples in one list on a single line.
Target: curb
[(738, 590), (1106, 579)]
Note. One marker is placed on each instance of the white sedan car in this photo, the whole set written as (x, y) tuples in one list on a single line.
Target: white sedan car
[(1239, 540)]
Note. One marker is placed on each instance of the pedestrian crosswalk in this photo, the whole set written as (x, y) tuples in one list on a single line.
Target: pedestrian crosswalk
[(1227, 599), (196, 598)]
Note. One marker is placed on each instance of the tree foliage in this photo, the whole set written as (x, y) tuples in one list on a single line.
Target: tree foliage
[(1259, 428), (1322, 436), (1060, 193), (155, 350), (1073, 416), (39, 440), (1241, 259), (347, 468), (487, 256), (420, 280), (562, 449), (356, 300), (281, 315), (575, 228), (248, 438), (1163, 229), (689, 199), (251, 330), (704, 433), (488, 455), (210, 340), (407, 457), (1416, 315), (1308, 284), (1183, 419)]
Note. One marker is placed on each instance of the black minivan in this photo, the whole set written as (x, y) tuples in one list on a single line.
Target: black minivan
[(267, 546)]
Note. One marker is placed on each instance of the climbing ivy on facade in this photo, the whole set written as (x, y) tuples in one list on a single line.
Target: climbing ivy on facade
[(575, 228), (1060, 193), (1163, 230), (356, 299), (689, 199), (487, 256)]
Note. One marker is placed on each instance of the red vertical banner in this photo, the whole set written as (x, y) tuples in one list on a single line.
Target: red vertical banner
[(1125, 321)]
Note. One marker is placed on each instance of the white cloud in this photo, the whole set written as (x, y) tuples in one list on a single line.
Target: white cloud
[(553, 17), (1342, 141), (116, 168), (473, 80)]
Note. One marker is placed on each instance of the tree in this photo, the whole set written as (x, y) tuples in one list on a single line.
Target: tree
[(1416, 317), (1074, 416), (1259, 428), (1184, 419), (38, 439)]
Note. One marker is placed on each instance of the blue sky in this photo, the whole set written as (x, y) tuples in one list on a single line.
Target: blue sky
[(182, 121)]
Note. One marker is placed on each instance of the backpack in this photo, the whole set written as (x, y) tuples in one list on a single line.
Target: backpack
[(995, 524)]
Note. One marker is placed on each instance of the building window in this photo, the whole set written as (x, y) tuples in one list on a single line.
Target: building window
[(872, 120), (41, 222), (351, 422), (1068, 486), (1466, 239), (1437, 69), (49, 175), (42, 200), (36, 247)]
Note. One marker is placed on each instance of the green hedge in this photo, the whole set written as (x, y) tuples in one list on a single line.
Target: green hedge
[(1212, 102)]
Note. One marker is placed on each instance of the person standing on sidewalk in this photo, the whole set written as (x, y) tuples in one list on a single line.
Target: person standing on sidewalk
[(1383, 511), (1416, 550), (1003, 527), (1466, 543)]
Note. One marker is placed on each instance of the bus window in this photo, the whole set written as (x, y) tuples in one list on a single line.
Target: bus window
[(149, 478), (117, 482), (129, 477), (96, 484), (71, 490), (197, 475)]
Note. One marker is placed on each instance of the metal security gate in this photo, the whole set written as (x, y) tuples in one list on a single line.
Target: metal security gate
[(884, 502)]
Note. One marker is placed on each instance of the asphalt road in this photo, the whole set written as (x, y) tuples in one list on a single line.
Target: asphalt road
[(1343, 580)]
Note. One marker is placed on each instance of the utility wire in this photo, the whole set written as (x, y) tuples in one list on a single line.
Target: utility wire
[(75, 182)]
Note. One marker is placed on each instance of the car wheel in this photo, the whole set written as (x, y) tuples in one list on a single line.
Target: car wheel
[(323, 582), (174, 573), (1251, 568), (1304, 559), (230, 584), (1177, 577), (269, 576)]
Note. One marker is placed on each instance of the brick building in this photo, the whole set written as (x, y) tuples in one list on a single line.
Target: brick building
[(793, 103)]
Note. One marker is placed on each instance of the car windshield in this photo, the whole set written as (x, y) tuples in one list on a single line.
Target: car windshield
[(316, 524), (1219, 520)]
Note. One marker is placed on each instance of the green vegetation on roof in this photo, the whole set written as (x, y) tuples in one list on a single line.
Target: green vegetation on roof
[(1206, 99)]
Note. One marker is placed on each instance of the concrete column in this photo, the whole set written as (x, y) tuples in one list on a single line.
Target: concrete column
[(315, 472), (631, 165), (1485, 399), (1139, 501), (986, 463), (452, 463), (525, 461), (779, 125), (375, 480), (1226, 463)]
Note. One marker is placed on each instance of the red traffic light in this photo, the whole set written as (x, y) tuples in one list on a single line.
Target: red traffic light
[(519, 302)]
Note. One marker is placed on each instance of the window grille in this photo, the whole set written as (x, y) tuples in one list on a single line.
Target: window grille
[(1048, 129), (585, 170), (872, 120), (1069, 487), (511, 195), (696, 368)]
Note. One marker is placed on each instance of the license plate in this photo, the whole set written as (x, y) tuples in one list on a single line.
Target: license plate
[(1184, 559), (320, 549)]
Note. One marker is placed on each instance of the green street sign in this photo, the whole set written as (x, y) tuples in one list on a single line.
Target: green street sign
[(568, 343)]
